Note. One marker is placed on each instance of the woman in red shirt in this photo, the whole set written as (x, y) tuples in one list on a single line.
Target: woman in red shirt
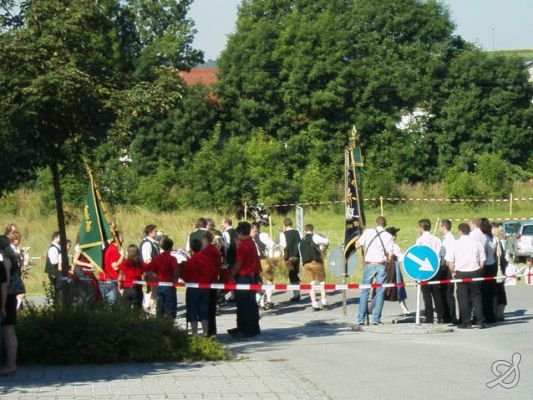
[(131, 270)]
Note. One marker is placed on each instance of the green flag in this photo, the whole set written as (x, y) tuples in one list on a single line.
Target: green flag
[(95, 228)]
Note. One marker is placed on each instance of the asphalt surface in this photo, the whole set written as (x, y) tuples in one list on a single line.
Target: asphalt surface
[(303, 354)]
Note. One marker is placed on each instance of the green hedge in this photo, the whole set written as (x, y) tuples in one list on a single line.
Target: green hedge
[(105, 335)]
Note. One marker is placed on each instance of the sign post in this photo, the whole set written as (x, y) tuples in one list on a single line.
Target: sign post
[(300, 219), (420, 263)]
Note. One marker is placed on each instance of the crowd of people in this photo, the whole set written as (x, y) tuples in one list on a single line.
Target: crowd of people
[(245, 255), (242, 255), (477, 252)]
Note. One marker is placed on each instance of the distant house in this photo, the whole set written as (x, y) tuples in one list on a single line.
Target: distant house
[(200, 76), (529, 66)]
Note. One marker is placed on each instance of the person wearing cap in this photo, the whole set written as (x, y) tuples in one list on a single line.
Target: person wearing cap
[(377, 246), (394, 274)]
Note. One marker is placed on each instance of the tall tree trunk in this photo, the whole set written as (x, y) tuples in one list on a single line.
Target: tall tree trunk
[(54, 168)]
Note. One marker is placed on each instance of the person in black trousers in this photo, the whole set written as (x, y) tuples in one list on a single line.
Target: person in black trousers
[(466, 260)]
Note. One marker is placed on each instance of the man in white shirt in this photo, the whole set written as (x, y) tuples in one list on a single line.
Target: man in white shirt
[(377, 248), (450, 314), (53, 263), (466, 260), (431, 293), (149, 251), (310, 249)]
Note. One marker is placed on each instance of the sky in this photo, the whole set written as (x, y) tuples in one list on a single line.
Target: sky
[(491, 24)]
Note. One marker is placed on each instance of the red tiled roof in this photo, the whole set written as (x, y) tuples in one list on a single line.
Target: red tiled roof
[(200, 76)]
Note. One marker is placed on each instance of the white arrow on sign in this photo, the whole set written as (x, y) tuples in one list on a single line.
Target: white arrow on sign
[(425, 265)]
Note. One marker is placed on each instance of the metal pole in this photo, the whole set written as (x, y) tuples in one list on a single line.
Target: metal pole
[(418, 290), (270, 225)]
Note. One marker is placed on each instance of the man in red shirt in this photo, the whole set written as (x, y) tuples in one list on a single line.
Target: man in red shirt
[(166, 267), (215, 258), (246, 271), (107, 279), (197, 269)]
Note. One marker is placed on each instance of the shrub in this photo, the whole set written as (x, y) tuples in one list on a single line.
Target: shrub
[(463, 185), (79, 335)]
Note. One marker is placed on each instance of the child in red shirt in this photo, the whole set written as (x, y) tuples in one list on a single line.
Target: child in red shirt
[(197, 269), (131, 270), (215, 258), (166, 267)]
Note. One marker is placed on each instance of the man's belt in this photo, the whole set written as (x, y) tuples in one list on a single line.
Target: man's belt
[(375, 263)]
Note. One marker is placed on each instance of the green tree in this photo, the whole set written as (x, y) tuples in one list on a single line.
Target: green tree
[(71, 69), (304, 72)]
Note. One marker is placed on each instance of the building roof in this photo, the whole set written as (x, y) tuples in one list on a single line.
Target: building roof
[(199, 76)]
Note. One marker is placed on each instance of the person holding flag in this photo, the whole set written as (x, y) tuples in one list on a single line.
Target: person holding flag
[(95, 231), (107, 279)]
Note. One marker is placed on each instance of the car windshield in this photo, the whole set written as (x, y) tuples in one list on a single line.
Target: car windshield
[(527, 230), (508, 228)]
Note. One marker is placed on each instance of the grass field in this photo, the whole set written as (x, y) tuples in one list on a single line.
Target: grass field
[(36, 225), (526, 54)]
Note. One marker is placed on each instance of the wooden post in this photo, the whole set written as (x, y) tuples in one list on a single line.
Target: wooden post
[(511, 204), (246, 211), (270, 225), (436, 226), (381, 205)]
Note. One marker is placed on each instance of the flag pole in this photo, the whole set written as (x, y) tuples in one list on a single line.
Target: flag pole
[(345, 261)]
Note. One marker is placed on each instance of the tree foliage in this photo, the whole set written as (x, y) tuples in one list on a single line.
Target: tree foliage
[(99, 80)]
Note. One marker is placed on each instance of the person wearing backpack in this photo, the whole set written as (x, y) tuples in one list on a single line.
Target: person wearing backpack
[(377, 245)]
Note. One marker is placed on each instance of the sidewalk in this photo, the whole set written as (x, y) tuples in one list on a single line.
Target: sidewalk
[(303, 354)]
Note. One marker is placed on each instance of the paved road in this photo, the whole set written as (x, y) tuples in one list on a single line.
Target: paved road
[(313, 355)]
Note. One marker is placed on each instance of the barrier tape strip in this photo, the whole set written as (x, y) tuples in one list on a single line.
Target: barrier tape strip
[(495, 219), (442, 200), (327, 287)]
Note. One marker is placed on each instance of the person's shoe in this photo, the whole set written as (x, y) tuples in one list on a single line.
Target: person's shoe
[(270, 305), (464, 326), (233, 331), (377, 323), (294, 299), (316, 309), (326, 307), (483, 326)]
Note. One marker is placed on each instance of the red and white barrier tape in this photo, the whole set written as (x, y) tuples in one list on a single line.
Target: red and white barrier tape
[(327, 287), (404, 199)]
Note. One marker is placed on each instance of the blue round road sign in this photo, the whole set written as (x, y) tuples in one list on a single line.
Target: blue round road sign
[(420, 262)]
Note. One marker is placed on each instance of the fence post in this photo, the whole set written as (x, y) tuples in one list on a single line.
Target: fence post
[(381, 205), (511, 204), (246, 211)]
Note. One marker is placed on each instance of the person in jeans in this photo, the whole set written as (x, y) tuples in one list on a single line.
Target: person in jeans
[(466, 260), (246, 271), (166, 267), (377, 245), (107, 279)]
